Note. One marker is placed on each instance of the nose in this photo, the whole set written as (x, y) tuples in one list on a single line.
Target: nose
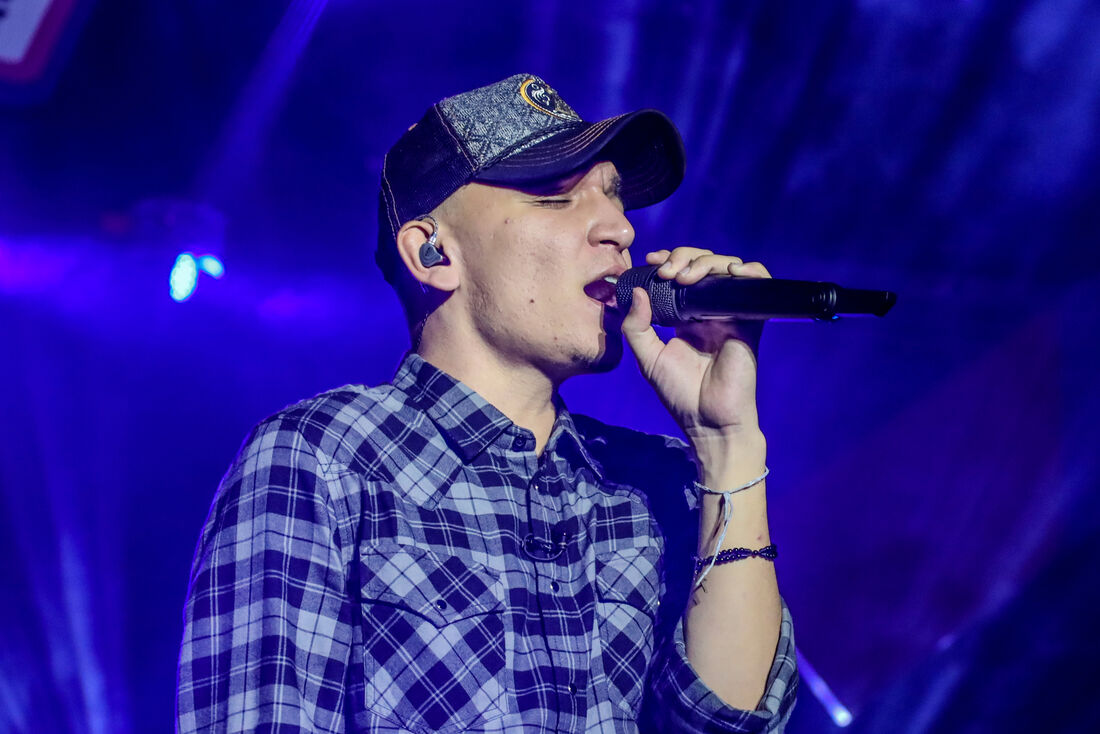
[(610, 225)]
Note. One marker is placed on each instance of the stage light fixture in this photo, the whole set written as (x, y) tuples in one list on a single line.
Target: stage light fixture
[(184, 278), (212, 266)]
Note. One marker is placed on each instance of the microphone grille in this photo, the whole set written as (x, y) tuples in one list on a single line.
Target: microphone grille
[(661, 295)]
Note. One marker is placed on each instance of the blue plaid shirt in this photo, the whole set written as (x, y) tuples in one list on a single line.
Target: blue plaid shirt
[(398, 558)]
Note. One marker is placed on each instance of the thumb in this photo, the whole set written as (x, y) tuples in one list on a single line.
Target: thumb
[(639, 332)]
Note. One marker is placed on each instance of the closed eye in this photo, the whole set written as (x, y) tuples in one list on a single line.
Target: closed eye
[(552, 203), (614, 189)]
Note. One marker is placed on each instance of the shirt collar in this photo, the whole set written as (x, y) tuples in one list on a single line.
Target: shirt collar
[(467, 421), (566, 436)]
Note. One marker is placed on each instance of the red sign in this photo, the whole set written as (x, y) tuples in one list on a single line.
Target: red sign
[(33, 35)]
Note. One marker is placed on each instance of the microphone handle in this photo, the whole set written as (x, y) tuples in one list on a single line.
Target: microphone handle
[(731, 297)]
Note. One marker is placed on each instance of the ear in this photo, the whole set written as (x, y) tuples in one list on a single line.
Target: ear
[(412, 235)]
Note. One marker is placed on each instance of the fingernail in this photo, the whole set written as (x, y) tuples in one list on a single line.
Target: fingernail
[(667, 267), (684, 271)]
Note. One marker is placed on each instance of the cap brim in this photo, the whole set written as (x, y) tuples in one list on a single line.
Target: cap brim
[(645, 147)]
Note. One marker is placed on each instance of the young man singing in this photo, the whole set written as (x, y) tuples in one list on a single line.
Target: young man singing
[(455, 551)]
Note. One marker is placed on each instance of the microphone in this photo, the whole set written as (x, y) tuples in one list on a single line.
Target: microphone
[(539, 549), (733, 297)]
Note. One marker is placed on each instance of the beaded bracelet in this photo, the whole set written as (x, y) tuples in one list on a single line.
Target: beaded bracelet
[(727, 515), (768, 553)]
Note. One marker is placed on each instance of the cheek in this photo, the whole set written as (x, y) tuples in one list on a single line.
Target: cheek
[(522, 287), (537, 276), (549, 286), (530, 273)]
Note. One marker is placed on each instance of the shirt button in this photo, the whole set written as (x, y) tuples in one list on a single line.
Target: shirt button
[(571, 688), (440, 604), (519, 443), (553, 586)]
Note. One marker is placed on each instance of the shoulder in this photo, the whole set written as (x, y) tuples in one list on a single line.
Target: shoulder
[(345, 429), (296, 461)]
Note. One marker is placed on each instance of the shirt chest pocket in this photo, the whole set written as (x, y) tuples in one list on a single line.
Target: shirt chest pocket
[(433, 638), (627, 591)]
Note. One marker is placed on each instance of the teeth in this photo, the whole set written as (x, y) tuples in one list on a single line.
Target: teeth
[(611, 279)]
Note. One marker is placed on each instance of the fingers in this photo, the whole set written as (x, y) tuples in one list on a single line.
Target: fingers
[(639, 332), (685, 261), (749, 270), (691, 264), (640, 315), (711, 336)]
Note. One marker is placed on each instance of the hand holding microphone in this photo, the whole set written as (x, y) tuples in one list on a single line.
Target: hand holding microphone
[(706, 376)]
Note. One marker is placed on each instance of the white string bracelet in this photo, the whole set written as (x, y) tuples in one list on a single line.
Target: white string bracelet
[(727, 515)]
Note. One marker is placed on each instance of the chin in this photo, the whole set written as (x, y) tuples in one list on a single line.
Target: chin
[(602, 351), (610, 355), (604, 358)]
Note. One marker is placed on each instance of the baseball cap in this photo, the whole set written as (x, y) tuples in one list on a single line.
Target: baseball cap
[(520, 131)]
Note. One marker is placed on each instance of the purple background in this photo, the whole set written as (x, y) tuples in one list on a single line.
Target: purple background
[(934, 472)]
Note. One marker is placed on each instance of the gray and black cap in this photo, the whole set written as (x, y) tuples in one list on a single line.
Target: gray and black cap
[(519, 131)]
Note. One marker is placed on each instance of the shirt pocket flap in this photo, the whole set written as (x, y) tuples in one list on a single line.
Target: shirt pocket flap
[(443, 589), (630, 576)]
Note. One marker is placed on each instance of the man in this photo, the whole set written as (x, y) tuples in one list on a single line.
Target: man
[(455, 551)]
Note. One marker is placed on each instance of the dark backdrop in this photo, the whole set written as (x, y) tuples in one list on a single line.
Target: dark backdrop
[(934, 472)]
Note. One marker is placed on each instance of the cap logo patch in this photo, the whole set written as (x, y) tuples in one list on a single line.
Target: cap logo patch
[(544, 99)]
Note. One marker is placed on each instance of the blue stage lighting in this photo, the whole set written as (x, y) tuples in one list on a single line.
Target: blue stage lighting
[(185, 274), (840, 715), (183, 278), (212, 266)]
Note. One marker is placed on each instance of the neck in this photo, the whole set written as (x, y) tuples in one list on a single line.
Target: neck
[(521, 392)]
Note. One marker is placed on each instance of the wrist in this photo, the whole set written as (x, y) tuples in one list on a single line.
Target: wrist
[(717, 524), (726, 460)]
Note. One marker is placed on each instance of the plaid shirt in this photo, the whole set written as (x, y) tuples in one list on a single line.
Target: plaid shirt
[(383, 560)]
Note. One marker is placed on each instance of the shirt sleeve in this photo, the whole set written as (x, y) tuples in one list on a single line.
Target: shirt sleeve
[(267, 630), (683, 703)]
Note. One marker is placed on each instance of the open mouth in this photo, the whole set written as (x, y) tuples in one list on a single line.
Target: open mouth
[(603, 291)]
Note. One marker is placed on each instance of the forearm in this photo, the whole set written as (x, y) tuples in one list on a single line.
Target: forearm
[(732, 623)]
